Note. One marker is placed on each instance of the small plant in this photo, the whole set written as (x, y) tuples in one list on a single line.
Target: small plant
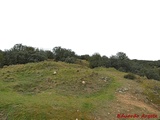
[(130, 76), (70, 60)]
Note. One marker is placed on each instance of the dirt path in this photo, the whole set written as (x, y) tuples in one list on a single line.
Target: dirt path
[(131, 100)]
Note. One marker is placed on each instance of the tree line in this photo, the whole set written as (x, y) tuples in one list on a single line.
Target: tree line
[(120, 61), (21, 54)]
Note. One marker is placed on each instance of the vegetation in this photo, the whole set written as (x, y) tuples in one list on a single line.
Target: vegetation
[(64, 55), (21, 54), (33, 91), (150, 69), (130, 76)]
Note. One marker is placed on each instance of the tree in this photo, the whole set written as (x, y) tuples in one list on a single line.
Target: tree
[(1, 58), (105, 62), (61, 54), (122, 56), (18, 47), (114, 62), (95, 60), (37, 55), (152, 74), (121, 62), (10, 57), (49, 54), (84, 57), (21, 54)]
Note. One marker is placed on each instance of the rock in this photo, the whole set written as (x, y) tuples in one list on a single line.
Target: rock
[(120, 91), (105, 79), (54, 73), (83, 82), (125, 89)]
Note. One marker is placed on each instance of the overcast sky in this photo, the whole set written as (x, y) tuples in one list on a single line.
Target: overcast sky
[(85, 26)]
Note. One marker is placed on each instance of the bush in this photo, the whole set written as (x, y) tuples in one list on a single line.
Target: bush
[(130, 76), (70, 60), (152, 74)]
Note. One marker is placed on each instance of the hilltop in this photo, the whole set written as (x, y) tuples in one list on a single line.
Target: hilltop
[(52, 90), (22, 54)]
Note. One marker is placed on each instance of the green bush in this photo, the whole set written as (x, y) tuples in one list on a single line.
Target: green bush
[(130, 76), (70, 60)]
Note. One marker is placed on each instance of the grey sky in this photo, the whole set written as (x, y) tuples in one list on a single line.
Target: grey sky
[(85, 26)]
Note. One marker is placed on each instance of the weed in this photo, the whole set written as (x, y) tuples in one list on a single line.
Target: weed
[(130, 76)]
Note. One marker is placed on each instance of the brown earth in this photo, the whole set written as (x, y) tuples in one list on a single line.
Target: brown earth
[(133, 101), (130, 100)]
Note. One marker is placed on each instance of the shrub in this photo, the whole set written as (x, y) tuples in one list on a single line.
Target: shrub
[(130, 76), (152, 74), (70, 60)]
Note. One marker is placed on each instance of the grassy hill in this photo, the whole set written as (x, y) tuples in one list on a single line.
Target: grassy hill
[(59, 91)]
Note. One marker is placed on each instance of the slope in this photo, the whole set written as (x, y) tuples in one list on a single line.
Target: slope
[(59, 91)]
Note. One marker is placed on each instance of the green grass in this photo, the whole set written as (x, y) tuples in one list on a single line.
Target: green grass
[(152, 91), (32, 91)]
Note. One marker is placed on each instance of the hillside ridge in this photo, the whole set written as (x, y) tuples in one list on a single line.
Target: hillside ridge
[(52, 90)]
